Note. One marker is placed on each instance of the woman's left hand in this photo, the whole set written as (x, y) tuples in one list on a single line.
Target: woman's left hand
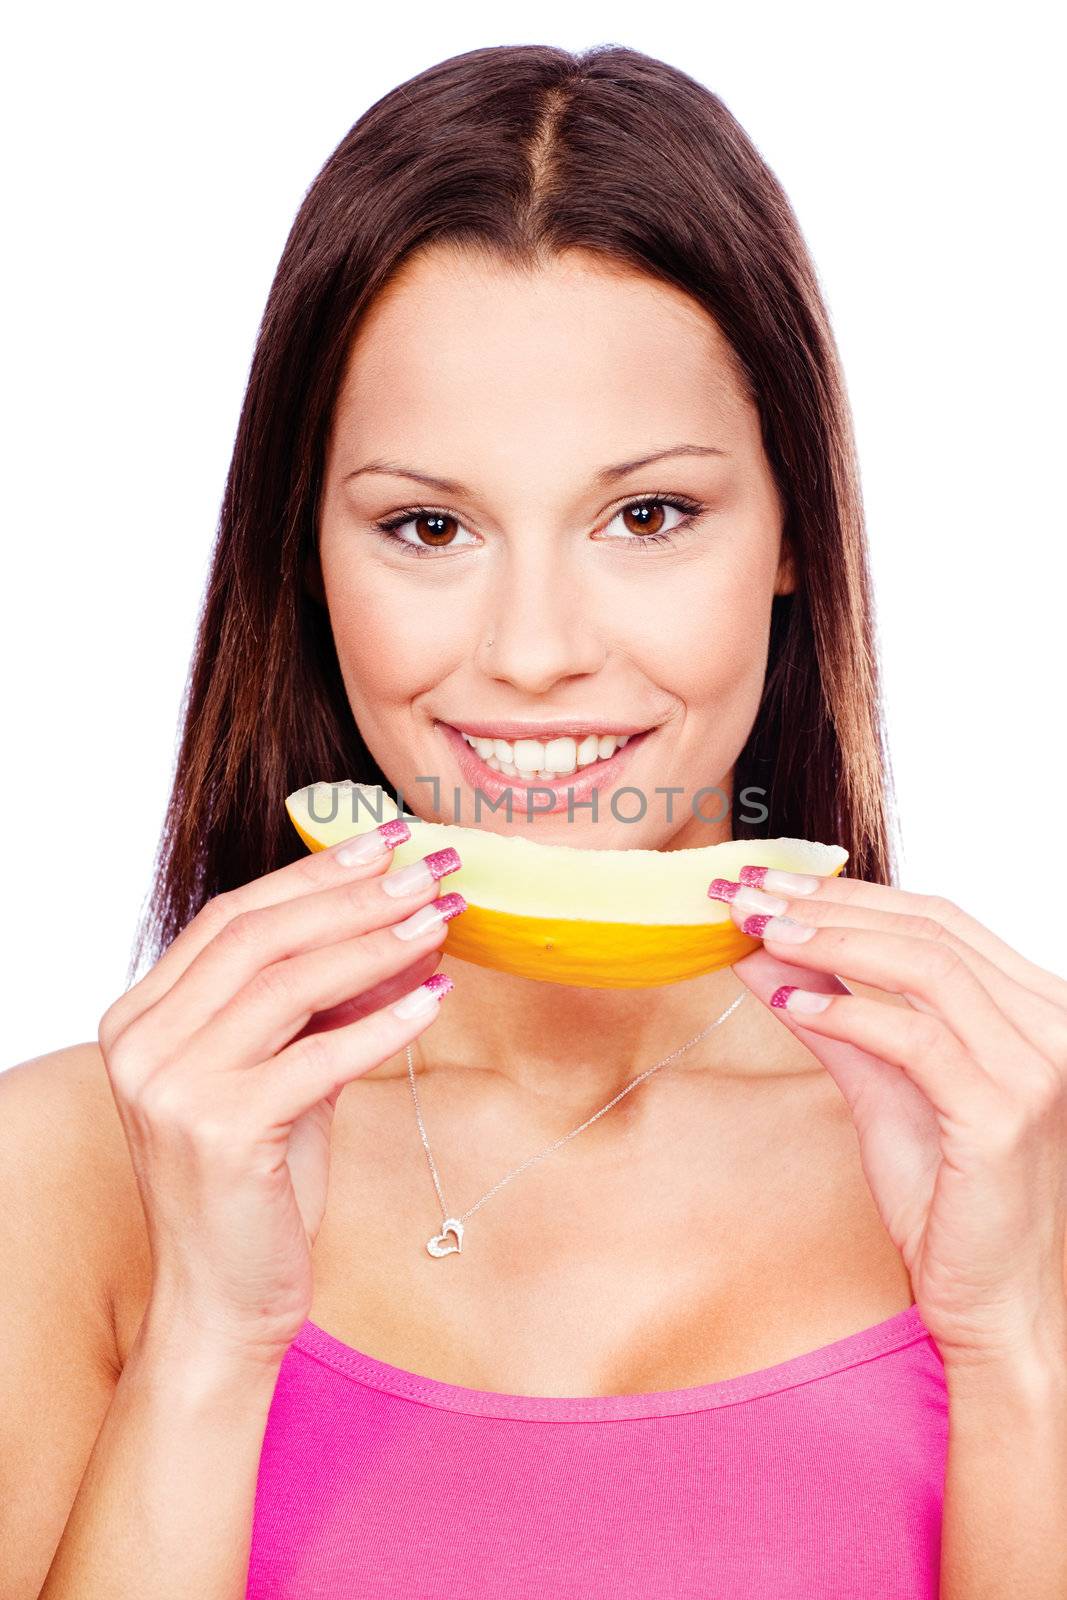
[(956, 1078)]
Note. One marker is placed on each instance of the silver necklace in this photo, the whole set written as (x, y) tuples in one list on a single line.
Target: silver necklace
[(437, 1246)]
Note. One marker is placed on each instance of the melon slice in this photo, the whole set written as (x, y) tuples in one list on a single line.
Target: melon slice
[(601, 919)]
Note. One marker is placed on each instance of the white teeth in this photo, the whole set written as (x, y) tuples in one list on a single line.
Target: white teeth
[(528, 754), (554, 758), (561, 755)]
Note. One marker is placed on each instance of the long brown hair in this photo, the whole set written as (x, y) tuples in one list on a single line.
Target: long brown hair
[(522, 151)]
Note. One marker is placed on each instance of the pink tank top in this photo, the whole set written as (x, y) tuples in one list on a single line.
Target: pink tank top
[(820, 1477)]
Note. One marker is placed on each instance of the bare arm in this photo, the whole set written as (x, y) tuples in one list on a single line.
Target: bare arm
[(165, 1506), (110, 1484), (221, 1102), (1006, 1479), (58, 1365)]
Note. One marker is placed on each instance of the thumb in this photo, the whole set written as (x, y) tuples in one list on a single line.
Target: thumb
[(850, 1067), (896, 1126)]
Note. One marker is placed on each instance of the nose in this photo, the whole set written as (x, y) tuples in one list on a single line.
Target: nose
[(539, 625)]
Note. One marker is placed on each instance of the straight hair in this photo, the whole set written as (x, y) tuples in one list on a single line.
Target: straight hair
[(523, 152)]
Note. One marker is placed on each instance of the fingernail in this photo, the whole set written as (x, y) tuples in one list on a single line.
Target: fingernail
[(784, 882), (368, 846), (748, 899), (787, 929), (790, 998), (421, 921), (420, 874), (426, 996)]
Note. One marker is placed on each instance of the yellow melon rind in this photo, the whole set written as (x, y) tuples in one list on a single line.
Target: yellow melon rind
[(594, 955), (555, 913)]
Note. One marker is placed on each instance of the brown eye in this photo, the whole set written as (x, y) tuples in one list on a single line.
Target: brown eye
[(647, 516), (432, 527), (643, 520), (432, 530)]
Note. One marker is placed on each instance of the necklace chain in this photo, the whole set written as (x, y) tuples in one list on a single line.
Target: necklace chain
[(455, 1224)]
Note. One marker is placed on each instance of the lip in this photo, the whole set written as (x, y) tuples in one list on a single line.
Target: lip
[(551, 728), (571, 789)]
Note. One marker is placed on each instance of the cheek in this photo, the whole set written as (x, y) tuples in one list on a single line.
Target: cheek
[(391, 637), (707, 640)]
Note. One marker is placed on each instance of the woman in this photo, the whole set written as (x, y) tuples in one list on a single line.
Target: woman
[(544, 444)]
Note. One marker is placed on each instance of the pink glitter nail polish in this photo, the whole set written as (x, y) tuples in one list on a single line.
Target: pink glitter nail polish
[(803, 1001), (395, 831), (442, 862), (419, 875), (755, 926), (421, 1001), (722, 889), (369, 846), (773, 878)]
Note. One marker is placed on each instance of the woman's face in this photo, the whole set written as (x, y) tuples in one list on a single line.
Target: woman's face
[(504, 426)]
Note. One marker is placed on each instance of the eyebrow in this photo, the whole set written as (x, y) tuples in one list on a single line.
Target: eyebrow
[(605, 476)]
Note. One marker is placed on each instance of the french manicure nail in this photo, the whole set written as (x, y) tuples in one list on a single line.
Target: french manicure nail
[(790, 998), (787, 929), (420, 874), (421, 921), (739, 894), (773, 878), (427, 995), (369, 846)]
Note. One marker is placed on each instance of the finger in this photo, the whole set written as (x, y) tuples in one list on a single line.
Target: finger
[(885, 897), (281, 999), (378, 994), (934, 971), (321, 869), (320, 1064), (1042, 1023), (874, 1090), (256, 940), (928, 1053)]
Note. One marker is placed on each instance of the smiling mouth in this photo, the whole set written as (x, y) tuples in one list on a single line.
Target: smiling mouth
[(550, 760)]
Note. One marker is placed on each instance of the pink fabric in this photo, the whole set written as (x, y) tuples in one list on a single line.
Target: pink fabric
[(820, 1477)]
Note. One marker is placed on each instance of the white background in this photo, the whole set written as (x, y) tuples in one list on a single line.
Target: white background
[(154, 163)]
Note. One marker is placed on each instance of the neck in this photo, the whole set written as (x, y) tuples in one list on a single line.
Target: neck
[(576, 1048)]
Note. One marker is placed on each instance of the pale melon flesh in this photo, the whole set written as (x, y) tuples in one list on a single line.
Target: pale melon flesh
[(557, 913)]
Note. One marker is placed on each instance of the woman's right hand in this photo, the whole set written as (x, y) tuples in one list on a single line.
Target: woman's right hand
[(227, 1097)]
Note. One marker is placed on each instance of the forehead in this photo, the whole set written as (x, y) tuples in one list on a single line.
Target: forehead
[(459, 345)]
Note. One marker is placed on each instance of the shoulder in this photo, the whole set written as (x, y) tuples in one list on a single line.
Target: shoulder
[(65, 1208), (70, 1206), (55, 1106)]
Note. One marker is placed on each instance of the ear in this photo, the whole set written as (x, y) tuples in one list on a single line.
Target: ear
[(312, 577)]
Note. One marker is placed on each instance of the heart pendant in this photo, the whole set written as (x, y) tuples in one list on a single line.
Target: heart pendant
[(437, 1247)]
